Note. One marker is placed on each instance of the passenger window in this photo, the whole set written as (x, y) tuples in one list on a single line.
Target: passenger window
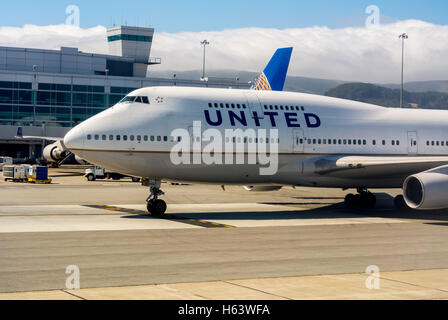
[(216, 105), (159, 138), (97, 137), (244, 106), (210, 105), (104, 137), (89, 137), (118, 138), (111, 138), (132, 138), (139, 138), (384, 142), (398, 142), (374, 142), (152, 138), (165, 139), (145, 138), (125, 138)]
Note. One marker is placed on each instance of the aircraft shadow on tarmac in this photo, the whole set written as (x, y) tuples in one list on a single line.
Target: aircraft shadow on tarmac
[(385, 209)]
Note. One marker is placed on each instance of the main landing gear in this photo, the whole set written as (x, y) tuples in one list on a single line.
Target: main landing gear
[(364, 199), (400, 204), (155, 206)]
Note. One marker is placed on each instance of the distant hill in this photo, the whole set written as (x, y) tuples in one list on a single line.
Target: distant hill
[(298, 84), (370, 93), (294, 84), (422, 86)]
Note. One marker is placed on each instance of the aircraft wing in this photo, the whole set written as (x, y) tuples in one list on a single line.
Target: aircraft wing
[(374, 166), (20, 135)]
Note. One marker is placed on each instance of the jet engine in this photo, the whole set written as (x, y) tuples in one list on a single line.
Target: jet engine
[(262, 188), (427, 190), (55, 152)]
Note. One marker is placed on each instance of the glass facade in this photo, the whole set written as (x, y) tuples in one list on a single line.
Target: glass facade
[(59, 105)]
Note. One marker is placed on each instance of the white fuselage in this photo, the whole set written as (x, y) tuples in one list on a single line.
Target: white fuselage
[(137, 138)]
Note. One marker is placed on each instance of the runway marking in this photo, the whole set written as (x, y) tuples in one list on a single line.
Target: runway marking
[(171, 217)]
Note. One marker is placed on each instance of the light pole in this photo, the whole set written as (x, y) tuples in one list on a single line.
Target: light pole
[(204, 43), (403, 37)]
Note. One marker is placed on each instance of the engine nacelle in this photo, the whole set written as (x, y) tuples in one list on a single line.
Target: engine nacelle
[(55, 152), (262, 188), (427, 190)]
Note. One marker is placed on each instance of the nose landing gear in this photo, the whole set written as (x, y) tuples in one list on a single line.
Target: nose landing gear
[(154, 205)]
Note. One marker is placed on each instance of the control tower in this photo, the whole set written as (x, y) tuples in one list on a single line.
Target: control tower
[(134, 43)]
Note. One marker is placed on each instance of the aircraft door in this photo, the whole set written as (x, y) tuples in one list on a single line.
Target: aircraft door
[(298, 141), (254, 105), (195, 139), (412, 143)]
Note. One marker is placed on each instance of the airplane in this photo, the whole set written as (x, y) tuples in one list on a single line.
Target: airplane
[(265, 138)]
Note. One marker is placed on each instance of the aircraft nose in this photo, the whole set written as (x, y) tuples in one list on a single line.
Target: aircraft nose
[(74, 139)]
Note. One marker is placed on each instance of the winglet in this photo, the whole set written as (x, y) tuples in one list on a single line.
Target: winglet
[(19, 134), (274, 76)]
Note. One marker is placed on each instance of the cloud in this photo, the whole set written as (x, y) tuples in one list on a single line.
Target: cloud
[(351, 53)]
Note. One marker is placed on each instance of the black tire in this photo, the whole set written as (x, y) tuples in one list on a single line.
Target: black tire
[(90, 177), (134, 179), (350, 200), (368, 200), (156, 208), (400, 204)]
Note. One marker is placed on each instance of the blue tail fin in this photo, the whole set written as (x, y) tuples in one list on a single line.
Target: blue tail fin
[(274, 76), (19, 133)]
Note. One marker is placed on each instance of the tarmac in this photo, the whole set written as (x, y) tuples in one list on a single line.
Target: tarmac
[(227, 244)]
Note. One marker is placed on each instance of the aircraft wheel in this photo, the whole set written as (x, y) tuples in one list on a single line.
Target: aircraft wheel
[(350, 200), (156, 208), (400, 203), (368, 200)]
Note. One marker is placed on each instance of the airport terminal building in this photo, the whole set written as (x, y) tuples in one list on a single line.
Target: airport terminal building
[(47, 92)]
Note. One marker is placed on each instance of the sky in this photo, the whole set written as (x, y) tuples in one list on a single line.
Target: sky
[(331, 39)]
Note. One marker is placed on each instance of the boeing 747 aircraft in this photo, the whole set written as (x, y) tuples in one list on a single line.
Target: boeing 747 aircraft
[(266, 138)]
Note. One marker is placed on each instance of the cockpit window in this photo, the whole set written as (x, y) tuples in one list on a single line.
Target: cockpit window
[(127, 99), (136, 99)]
